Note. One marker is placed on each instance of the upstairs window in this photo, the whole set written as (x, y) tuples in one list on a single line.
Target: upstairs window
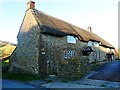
[(90, 43), (108, 50), (71, 39), (96, 44), (112, 50)]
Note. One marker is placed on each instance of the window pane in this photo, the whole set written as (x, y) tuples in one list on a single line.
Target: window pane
[(71, 39), (96, 44), (90, 43), (69, 54)]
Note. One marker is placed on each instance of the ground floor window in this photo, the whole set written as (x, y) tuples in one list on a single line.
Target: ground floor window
[(96, 55), (69, 54), (110, 57)]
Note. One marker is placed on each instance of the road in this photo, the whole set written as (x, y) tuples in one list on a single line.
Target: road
[(108, 71)]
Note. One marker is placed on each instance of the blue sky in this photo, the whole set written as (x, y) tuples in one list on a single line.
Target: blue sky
[(101, 15)]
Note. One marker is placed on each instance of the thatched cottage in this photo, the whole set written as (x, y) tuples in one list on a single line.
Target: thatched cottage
[(50, 46)]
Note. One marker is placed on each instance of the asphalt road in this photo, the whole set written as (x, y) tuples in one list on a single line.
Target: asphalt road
[(108, 71)]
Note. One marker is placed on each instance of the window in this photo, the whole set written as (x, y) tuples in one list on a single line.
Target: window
[(96, 44), (90, 43), (96, 55), (71, 39), (69, 54), (112, 50), (108, 50)]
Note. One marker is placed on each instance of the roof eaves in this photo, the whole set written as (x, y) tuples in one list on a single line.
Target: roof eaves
[(107, 46)]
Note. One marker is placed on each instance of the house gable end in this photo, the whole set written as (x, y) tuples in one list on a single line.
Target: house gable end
[(27, 50)]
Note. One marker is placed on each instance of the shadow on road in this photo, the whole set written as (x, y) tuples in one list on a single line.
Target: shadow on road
[(109, 71)]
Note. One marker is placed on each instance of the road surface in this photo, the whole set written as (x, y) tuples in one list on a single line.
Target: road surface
[(108, 71)]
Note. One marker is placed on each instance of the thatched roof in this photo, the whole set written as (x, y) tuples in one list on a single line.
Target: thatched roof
[(56, 26)]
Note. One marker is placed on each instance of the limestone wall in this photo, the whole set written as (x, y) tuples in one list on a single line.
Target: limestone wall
[(54, 49), (26, 55), (98, 54), (54, 55)]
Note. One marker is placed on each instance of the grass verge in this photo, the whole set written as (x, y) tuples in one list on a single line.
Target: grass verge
[(16, 76), (5, 62), (94, 66), (19, 77)]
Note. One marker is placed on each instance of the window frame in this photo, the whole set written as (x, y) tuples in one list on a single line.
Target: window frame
[(90, 43), (68, 54), (96, 44), (71, 39), (96, 55)]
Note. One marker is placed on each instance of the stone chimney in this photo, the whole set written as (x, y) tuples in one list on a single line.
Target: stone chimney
[(30, 5), (89, 29)]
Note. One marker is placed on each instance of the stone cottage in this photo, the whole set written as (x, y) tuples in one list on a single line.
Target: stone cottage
[(50, 46)]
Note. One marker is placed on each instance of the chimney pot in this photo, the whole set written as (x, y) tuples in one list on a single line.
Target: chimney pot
[(31, 5), (90, 29)]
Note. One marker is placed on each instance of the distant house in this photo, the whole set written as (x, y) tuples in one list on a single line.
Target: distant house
[(50, 46)]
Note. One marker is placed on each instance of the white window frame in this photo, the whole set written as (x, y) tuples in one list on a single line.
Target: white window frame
[(96, 55), (69, 54), (108, 49), (71, 39), (96, 44), (112, 50), (90, 43)]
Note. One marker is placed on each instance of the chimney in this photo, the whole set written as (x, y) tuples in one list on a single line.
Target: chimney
[(30, 5), (90, 29)]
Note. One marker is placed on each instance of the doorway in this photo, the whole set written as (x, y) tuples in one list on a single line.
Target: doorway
[(110, 57)]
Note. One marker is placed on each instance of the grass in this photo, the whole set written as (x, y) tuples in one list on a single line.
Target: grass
[(5, 62), (65, 81), (6, 50), (48, 81), (16, 76), (19, 77), (94, 66), (103, 85)]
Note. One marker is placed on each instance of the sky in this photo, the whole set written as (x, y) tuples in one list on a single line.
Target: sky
[(101, 15)]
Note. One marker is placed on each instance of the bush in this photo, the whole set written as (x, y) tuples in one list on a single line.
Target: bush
[(19, 76), (94, 66), (5, 68)]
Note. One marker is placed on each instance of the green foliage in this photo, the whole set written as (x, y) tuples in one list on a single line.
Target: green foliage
[(16, 76), (5, 62), (6, 50), (19, 77), (48, 81), (94, 66), (65, 80), (103, 85)]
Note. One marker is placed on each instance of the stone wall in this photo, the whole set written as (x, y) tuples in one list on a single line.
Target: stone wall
[(103, 52), (25, 57), (54, 55), (53, 50), (98, 54)]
